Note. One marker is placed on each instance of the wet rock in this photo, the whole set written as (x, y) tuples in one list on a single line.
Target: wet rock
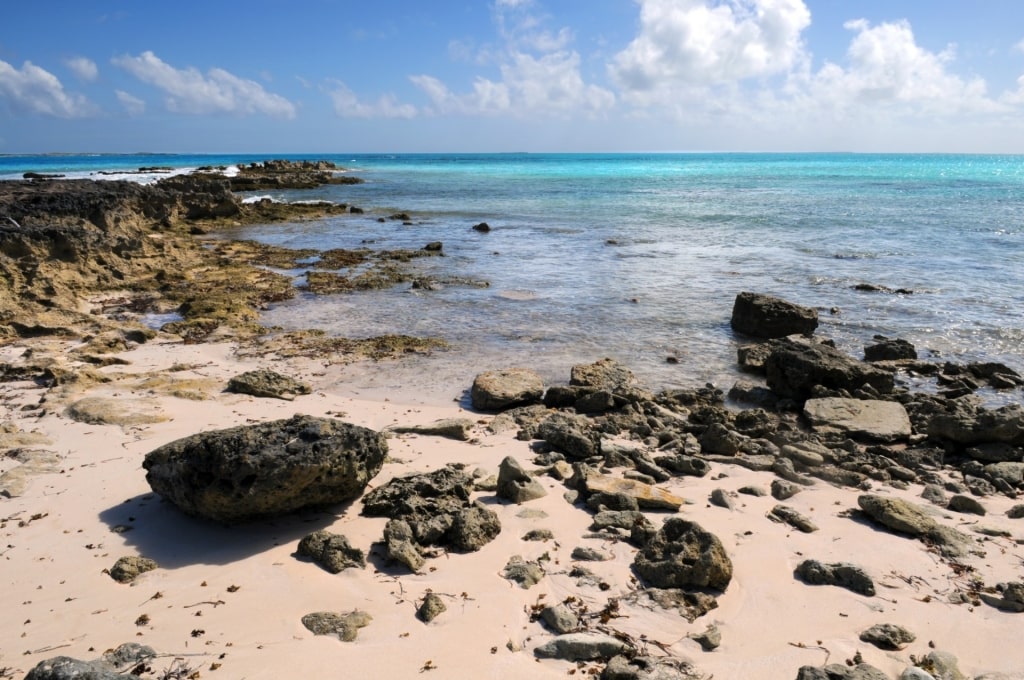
[(765, 316), (795, 369), (432, 607), (890, 349), (497, 390), (581, 647), (482, 227), (460, 429), (127, 568), (346, 626), (516, 484), (526, 574), (888, 636), (267, 469), (873, 420), (560, 618), (630, 667), (842, 574), (911, 519), (966, 504), (682, 554), (331, 551), (787, 515), (267, 383)]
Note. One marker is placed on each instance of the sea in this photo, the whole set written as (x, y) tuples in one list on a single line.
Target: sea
[(639, 257)]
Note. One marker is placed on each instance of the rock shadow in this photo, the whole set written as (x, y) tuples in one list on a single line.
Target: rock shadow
[(162, 532)]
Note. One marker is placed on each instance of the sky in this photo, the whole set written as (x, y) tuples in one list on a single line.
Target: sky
[(337, 76)]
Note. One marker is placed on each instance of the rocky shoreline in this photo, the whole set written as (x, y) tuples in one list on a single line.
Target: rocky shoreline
[(905, 502)]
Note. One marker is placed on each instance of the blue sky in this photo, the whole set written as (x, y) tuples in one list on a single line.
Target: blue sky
[(307, 76)]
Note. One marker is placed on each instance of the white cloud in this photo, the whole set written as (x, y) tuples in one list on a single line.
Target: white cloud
[(32, 89), (348, 105), (1019, 46), (133, 105), (219, 91), (886, 67), (704, 42), (83, 68)]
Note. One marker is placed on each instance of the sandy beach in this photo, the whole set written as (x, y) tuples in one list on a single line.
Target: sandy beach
[(765, 496), (227, 601)]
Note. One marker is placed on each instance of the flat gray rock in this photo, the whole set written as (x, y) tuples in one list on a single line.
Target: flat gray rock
[(581, 647), (873, 419)]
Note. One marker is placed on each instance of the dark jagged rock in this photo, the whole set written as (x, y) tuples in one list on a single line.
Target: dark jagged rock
[(267, 383), (266, 469), (795, 369), (116, 664), (331, 551), (575, 435), (684, 555), (431, 509), (969, 424), (841, 574), (887, 349), (431, 607), (765, 316)]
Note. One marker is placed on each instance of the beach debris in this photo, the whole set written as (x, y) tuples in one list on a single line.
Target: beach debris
[(682, 554), (127, 568), (345, 625), (266, 469), (331, 551), (266, 383), (516, 484), (431, 607), (842, 574), (888, 636), (766, 316), (581, 647), (526, 573), (460, 429), (503, 389)]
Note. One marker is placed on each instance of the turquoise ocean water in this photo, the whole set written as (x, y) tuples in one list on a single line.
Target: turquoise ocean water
[(639, 257)]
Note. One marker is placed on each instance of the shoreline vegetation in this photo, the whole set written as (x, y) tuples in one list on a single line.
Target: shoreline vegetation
[(815, 521)]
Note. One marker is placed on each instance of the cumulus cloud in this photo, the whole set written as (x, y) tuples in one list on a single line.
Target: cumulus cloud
[(702, 42), (32, 89), (132, 104), (83, 67), (348, 105), (218, 91), (886, 67)]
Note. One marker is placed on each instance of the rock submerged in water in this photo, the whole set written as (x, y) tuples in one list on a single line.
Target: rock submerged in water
[(268, 469)]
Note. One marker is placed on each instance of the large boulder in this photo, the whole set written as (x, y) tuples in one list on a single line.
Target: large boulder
[(969, 424), (497, 390), (765, 316), (907, 518), (266, 469), (684, 555), (794, 369)]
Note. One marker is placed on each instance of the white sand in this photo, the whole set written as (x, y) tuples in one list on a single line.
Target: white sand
[(57, 540)]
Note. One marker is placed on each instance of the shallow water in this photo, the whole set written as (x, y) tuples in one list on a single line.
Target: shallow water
[(639, 257)]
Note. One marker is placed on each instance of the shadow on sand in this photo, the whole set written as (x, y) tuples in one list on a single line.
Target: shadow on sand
[(162, 532)]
